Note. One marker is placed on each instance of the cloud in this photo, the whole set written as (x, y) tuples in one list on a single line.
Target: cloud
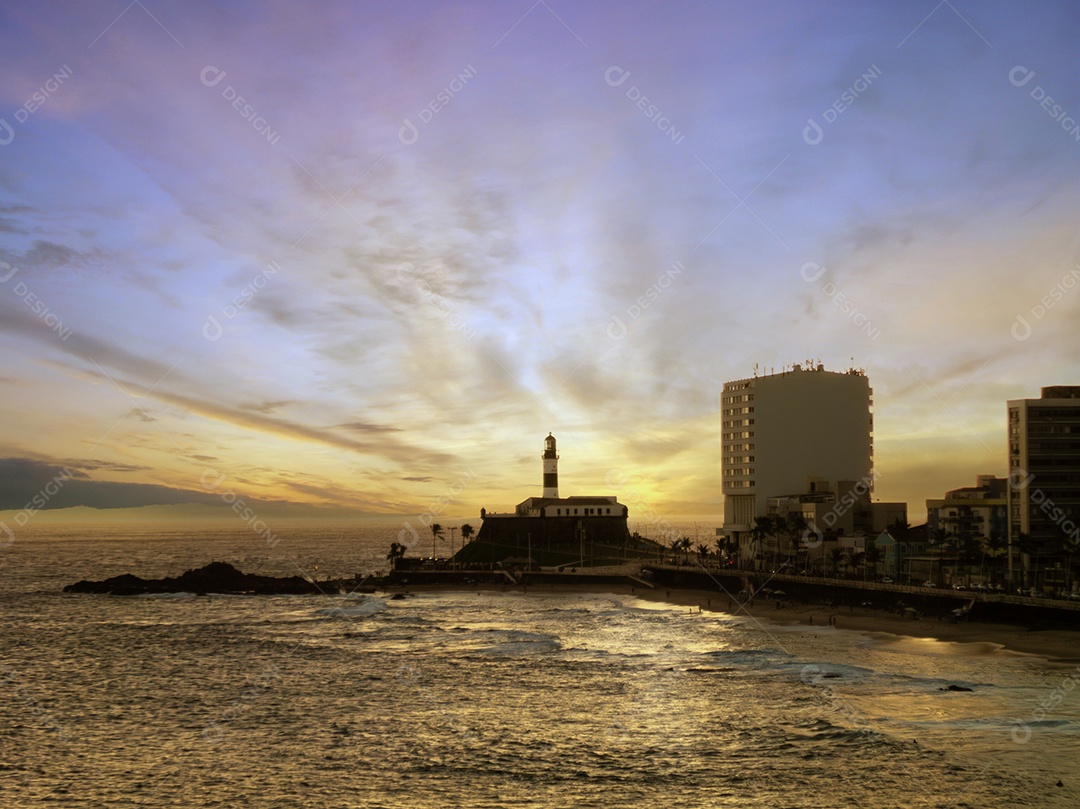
[(45, 255), (365, 427), (38, 485), (100, 352), (266, 407)]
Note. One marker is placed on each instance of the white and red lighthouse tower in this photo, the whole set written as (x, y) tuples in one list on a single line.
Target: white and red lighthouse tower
[(551, 468)]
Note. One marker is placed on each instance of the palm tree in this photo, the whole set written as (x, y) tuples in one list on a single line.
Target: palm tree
[(873, 556), (855, 558), (703, 552), (396, 552), (780, 527), (797, 527), (1025, 546), (466, 533), (993, 547), (721, 546), (684, 546), (763, 527), (939, 540), (675, 544), (969, 550), (836, 554), (436, 533)]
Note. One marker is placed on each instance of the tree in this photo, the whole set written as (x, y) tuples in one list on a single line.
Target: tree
[(797, 527), (1024, 545), (836, 554), (436, 533), (684, 546), (873, 557), (994, 547), (939, 541), (703, 552), (855, 558), (466, 533), (780, 528), (969, 550), (763, 527), (397, 550)]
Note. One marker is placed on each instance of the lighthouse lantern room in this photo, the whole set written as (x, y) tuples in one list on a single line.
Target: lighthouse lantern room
[(551, 467)]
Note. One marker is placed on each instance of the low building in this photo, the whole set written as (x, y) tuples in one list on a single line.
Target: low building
[(978, 511), (553, 530)]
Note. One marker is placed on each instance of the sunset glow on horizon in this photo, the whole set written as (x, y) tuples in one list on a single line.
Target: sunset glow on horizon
[(362, 258)]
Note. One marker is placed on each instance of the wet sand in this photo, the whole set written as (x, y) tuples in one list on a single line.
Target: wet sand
[(1058, 644), (1061, 645)]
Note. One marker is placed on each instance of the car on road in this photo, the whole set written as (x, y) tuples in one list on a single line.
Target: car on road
[(886, 580), (928, 584)]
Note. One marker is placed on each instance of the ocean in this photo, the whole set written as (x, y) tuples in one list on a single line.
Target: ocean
[(484, 698)]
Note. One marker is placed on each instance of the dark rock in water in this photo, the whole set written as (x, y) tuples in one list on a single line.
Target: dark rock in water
[(956, 688), (216, 577)]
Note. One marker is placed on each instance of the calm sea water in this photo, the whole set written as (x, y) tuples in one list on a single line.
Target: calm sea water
[(484, 699)]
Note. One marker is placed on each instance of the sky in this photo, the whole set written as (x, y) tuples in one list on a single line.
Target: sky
[(360, 258)]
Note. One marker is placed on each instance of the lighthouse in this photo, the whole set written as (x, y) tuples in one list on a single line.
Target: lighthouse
[(551, 468)]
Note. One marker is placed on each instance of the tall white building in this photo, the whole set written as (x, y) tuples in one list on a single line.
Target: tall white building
[(785, 434)]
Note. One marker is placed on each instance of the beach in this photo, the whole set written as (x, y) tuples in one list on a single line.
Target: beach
[(1059, 645)]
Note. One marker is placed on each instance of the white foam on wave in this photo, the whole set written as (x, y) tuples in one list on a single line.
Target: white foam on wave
[(366, 607)]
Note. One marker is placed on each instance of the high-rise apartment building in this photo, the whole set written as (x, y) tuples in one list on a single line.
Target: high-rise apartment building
[(1044, 484), (787, 433)]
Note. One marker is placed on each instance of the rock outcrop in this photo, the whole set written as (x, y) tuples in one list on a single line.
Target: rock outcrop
[(216, 577)]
